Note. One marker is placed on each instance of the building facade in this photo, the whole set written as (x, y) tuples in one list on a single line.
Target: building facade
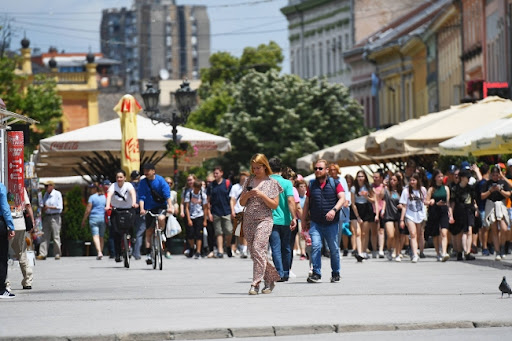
[(77, 83), (157, 39), (319, 32)]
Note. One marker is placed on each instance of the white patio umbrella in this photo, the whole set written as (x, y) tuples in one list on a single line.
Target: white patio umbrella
[(59, 154), (492, 138)]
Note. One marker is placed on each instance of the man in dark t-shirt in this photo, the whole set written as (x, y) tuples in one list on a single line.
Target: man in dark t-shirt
[(220, 211)]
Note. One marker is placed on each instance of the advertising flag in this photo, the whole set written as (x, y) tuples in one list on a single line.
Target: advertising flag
[(127, 109)]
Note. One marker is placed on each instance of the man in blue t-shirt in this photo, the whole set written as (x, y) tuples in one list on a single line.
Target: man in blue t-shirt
[(284, 223), (220, 211), (155, 196)]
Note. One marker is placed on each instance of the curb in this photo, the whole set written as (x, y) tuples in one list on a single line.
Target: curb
[(221, 333)]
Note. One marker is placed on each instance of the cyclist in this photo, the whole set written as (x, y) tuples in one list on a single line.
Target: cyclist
[(121, 195), (154, 196)]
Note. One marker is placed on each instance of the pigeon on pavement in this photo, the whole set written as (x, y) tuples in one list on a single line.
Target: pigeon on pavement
[(504, 287)]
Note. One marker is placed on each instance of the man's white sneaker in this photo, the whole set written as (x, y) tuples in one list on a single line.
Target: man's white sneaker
[(7, 294)]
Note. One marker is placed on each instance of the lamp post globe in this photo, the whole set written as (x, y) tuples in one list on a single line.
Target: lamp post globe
[(151, 98), (185, 101)]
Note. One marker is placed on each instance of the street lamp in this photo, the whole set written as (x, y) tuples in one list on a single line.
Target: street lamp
[(185, 99)]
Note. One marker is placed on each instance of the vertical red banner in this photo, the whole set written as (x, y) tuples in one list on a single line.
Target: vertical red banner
[(15, 171)]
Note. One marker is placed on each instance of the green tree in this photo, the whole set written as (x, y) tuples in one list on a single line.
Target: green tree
[(40, 101), (287, 117), (224, 72), (74, 210)]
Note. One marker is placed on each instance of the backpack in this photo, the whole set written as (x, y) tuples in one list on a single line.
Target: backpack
[(331, 182)]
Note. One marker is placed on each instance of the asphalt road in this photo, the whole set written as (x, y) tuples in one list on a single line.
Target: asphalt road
[(82, 298)]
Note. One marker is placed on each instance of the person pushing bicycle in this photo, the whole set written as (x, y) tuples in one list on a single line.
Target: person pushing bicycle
[(154, 196)]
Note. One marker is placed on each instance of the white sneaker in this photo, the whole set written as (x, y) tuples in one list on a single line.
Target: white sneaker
[(292, 275), (415, 259), (7, 294), (398, 259), (498, 257)]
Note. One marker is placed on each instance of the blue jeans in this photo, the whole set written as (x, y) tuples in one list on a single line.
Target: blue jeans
[(281, 249), (330, 233), (140, 228)]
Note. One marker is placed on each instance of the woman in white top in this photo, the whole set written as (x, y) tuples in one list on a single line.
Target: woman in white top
[(413, 211), (121, 195)]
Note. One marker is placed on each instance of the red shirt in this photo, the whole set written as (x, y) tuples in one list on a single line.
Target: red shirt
[(339, 188)]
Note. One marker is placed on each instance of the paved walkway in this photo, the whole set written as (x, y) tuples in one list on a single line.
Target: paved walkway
[(81, 298)]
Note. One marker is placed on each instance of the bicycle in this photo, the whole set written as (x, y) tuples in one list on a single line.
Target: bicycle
[(126, 245), (126, 249), (156, 245)]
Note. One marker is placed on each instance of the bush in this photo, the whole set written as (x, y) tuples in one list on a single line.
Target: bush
[(74, 210)]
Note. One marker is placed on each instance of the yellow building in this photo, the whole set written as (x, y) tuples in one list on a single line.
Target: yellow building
[(78, 89), (417, 65)]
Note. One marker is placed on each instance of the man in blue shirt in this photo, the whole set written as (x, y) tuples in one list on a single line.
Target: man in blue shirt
[(154, 196), (284, 223), (6, 233)]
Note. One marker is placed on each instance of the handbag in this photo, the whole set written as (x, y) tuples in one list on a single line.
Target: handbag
[(173, 227), (156, 197), (28, 221), (125, 219), (239, 223)]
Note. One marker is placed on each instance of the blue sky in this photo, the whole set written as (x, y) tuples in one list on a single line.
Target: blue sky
[(73, 25)]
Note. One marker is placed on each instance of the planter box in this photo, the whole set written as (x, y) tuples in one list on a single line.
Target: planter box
[(177, 246), (73, 248)]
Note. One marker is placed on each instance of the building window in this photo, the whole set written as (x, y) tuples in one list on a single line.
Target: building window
[(307, 63), (313, 61), (299, 63), (340, 48), (320, 59), (328, 53), (334, 69), (292, 62)]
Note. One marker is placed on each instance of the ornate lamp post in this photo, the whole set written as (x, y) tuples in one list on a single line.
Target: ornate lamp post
[(185, 99)]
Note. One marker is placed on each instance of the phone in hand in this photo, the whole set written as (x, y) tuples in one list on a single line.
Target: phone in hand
[(249, 188)]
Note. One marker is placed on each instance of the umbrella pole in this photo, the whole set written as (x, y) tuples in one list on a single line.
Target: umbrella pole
[(175, 140)]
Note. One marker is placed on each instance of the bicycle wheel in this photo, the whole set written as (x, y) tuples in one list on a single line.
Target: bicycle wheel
[(154, 250), (159, 248), (126, 251)]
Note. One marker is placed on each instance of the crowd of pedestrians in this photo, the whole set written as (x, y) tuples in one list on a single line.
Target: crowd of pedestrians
[(272, 213)]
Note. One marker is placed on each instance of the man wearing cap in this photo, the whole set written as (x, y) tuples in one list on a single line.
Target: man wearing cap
[(140, 221), (154, 196), (52, 208)]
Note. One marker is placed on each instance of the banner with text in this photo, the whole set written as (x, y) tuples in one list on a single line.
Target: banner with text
[(15, 172)]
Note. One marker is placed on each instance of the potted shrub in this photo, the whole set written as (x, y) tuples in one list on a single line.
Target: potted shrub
[(73, 234)]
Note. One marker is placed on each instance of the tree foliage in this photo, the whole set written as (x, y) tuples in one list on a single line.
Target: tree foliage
[(40, 101), (287, 117), (224, 72)]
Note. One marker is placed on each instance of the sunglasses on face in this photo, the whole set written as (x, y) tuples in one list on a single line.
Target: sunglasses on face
[(318, 168)]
